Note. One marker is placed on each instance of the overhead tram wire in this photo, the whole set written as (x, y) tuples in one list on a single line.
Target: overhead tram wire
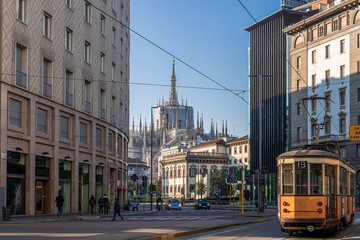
[(170, 54), (287, 60)]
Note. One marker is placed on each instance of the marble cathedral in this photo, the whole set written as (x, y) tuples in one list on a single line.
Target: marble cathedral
[(173, 125)]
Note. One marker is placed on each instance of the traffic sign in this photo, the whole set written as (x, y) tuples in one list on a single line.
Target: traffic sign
[(354, 132)]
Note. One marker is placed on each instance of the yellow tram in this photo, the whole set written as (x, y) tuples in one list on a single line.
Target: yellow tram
[(316, 191)]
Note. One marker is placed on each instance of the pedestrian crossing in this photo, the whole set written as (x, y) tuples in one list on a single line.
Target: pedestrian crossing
[(167, 218)]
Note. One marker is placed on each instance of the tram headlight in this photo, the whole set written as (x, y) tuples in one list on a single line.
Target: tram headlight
[(319, 204), (319, 210), (285, 210), (286, 204)]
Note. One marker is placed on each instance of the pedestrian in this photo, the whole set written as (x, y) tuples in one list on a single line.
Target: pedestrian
[(101, 205), (92, 203), (59, 204), (117, 209), (106, 204)]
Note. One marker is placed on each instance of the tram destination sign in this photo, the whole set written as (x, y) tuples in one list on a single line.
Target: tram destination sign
[(354, 132)]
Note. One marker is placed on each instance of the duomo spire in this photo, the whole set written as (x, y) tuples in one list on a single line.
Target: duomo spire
[(173, 100)]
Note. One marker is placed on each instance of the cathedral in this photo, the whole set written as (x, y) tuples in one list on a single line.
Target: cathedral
[(173, 125)]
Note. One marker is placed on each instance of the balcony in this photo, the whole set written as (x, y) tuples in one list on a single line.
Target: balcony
[(87, 107), (21, 79), (102, 113), (69, 99), (47, 90)]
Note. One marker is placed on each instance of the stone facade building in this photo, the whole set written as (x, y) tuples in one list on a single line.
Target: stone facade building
[(324, 53), (64, 100)]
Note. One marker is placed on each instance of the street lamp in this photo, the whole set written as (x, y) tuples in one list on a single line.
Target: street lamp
[(260, 202), (151, 159)]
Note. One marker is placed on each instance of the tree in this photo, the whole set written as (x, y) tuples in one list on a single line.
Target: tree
[(200, 187), (131, 186), (218, 180)]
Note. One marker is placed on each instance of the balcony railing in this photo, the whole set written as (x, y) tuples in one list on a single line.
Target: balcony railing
[(69, 99), (47, 90), (102, 113), (87, 107), (21, 79)]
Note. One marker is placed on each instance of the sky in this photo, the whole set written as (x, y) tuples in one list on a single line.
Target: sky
[(209, 36)]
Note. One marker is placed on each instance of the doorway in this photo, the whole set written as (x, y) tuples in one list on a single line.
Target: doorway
[(40, 193)]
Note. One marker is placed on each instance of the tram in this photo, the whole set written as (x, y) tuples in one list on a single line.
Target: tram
[(316, 191)]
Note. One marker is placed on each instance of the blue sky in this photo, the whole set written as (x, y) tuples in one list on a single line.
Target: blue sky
[(209, 35)]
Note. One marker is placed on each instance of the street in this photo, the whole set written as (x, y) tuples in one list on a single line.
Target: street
[(147, 225)]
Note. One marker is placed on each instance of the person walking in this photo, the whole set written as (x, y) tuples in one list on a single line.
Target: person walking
[(59, 204), (101, 205), (117, 209), (92, 203), (106, 203)]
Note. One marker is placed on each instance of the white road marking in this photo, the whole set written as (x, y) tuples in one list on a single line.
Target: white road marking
[(208, 235)]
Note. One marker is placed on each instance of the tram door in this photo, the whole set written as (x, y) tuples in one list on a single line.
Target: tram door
[(330, 191)]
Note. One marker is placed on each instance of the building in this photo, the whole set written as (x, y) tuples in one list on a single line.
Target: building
[(64, 101), (173, 125), (138, 167), (268, 92), (238, 152), (180, 172), (324, 51), (294, 3)]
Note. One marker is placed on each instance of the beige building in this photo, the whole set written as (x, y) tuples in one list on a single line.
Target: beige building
[(238, 150), (324, 52), (65, 102)]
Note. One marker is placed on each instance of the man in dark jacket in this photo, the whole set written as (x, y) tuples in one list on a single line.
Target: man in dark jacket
[(59, 204), (117, 208), (106, 203)]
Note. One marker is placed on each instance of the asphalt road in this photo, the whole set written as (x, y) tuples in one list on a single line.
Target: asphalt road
[(271, 230)]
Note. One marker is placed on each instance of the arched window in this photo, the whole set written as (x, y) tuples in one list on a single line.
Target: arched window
[(299, 41), (357, 17)]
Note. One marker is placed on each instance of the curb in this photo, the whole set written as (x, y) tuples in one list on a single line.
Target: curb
[(201, 230)]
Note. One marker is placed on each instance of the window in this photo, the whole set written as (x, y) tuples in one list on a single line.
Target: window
[(327, 126), (327, 77), (102, 25), (114, 5), (15, 113), (21, 66), (87, 52), (110, 142), (314, 34), (358, 67), (102, 62), (342, 151), (68, 3), (47, 78), (327, 102), (298, 109), (87, 96), (358, 40), (298, 85), (313, 80), (313, 105), (102, 104), (328, 28), (287, 177), (335, 25), (21, 10), (64, 127), (342, 46), (301, 178), (113, 69), (42, 121), (192, 172), (47, 25), (298, 62), (235, 150), (298, 134), (342, 22), (87, 12), (342, 97), (344, 179), (315, 179), (313, 56), (69, 88), (245, 148), (240, 149), (358, 150), (83, 133), (121, 46), (98, 137), (342, 127), (68, 39), (321, 31), (327, 51), (113, 38)]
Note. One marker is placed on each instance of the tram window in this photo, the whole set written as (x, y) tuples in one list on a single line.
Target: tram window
[(352, 184), (278, 180), (301, 178), (343, 181), (315, 179), (287, 175)]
